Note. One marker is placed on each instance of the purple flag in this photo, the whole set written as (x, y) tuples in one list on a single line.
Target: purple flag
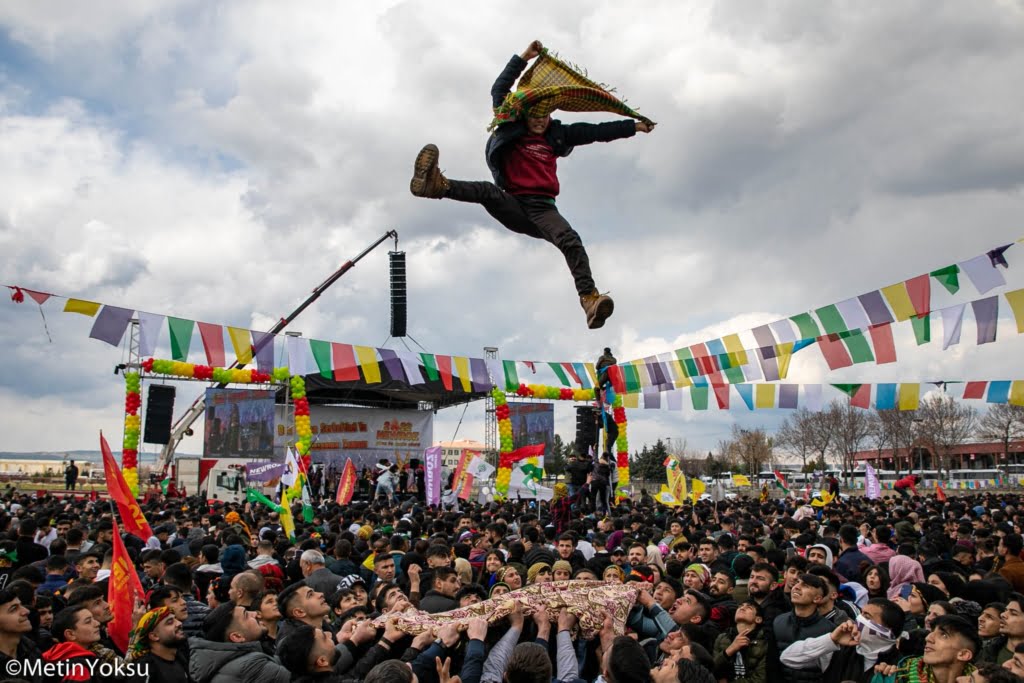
[(392, 363), (263, 344), (986, 313), (655, 371), (770, 367), (997, 256), (652, 399), (765, 340), (432, 474), (874, 306), (788, 395), (872, 487), (478, 371), (150, 325), (110, 324)]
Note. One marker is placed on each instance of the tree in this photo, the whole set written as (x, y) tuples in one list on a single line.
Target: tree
[(650, 463), (853, 427), (554, 462), (944, 425), (894, 429), (793, 438), (750, 448), (1004, 423)]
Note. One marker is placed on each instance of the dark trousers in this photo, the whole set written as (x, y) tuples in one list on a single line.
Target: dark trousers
[(530, 215)]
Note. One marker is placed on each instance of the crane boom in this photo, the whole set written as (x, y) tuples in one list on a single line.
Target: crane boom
[(185, 422)]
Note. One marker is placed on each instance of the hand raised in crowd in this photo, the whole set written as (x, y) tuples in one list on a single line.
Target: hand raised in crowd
[(444, 670), (423, 641), (448, 635), (477, 629), (566, 620), (364, 632), (846, 634), (391, 631), (516, 618), (741, 641)]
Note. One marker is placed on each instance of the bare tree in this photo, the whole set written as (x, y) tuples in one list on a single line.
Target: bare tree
[(853, 428), (821, 430), (792, 437), (944, 425), (894, 429), (1004, 423)]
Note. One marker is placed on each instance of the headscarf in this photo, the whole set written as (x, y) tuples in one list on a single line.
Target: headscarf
[(234, 518), (534, 570), (902, 571), (563, 565), (490, 593), (701, 571), (561, 491), (138, 641)]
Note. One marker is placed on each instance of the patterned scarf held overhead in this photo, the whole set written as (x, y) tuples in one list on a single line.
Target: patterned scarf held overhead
[(552, 84), (588, 601)]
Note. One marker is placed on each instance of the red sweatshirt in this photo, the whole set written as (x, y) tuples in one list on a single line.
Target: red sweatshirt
[(531, 167)]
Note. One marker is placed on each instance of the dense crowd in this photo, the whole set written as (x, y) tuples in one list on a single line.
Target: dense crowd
[(911, 590)]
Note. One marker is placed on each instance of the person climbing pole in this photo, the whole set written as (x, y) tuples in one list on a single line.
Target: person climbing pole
[(522, 154)]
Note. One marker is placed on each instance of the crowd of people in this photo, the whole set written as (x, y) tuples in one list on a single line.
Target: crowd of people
[(911, 590)]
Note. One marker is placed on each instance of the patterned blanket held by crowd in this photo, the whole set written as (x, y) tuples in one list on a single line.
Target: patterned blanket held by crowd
[(588, 601), (552, 84)]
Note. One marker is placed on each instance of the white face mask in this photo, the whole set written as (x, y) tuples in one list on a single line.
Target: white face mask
[(874, 639)]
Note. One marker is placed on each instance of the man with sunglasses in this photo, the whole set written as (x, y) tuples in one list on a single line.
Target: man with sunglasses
[(851, 651)]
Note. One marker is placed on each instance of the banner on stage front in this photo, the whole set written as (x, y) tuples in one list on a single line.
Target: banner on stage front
[(366, 435), (239, 424)]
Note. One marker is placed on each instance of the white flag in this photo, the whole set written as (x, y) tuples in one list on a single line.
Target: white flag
[(480, 468)]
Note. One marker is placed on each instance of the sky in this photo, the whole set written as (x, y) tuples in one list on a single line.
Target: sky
[(217, 160)]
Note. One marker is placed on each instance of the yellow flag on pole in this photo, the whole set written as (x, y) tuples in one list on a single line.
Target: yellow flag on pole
[(697, 489)]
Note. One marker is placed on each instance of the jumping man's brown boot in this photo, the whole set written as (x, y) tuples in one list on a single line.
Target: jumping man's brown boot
[(598, 308), (427, 179)]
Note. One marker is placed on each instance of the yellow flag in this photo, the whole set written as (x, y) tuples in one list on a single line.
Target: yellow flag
[(765, 396), (89, 308), (734, 347), (631, 400), (367, 359), (740, 480), (666, 497), (697, 489), (899, 300), (287, 523), (823, 500), (462, 367), (785, 354), (1017, 393), (241, 343), (1016, 301), (681, 487), (909, 396)]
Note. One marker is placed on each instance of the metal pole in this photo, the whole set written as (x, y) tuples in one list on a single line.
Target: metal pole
[(179, 430)]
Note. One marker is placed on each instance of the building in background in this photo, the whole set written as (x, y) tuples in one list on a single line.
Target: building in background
[(451, 451)]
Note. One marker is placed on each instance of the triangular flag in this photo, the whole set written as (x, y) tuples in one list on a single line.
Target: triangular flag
[(948, 277), (213, 343), (746, 392)]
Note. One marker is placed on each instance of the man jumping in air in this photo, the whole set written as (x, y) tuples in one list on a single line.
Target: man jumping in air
[(522, 154)]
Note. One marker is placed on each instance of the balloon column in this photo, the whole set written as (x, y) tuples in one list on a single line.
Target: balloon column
[(503, 414), (303, 429), (132, 425), (621, 447)]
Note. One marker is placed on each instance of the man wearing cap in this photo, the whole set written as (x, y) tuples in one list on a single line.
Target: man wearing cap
[(523, 158)]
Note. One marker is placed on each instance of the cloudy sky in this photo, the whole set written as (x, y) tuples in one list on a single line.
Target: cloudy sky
[(217, 160)]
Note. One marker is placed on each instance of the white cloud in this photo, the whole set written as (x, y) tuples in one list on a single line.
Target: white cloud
[(217, 161)]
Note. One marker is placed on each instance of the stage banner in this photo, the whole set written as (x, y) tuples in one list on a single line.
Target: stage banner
[(264, 474), (366, 435), (532, 423), (239, 424), (432, 474)]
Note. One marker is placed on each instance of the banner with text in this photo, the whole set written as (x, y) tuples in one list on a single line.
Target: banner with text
[(366, 435)]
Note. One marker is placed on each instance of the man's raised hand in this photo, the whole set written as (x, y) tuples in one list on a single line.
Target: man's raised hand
[(532, 50), (642, 127)]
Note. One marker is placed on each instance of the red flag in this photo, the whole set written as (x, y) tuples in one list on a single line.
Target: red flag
[(940, 493), (507, 459), (460, 474), (465, 487), (123, 590), (131, 514), (347, 484)]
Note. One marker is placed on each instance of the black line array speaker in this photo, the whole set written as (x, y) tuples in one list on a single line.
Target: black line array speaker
[(586, 429), (159, 414), (398, 293)]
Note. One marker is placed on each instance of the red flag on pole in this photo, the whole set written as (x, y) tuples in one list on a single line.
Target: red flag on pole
[(123, 590), (940, 493), (131, 514), (347, 484)]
